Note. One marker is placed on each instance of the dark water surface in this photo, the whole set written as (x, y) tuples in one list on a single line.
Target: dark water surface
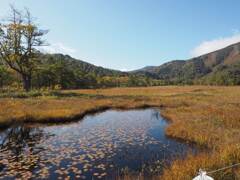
[(101, 146)]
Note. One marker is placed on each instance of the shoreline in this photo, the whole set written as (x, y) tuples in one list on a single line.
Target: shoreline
[(73, 118), (207, 116)]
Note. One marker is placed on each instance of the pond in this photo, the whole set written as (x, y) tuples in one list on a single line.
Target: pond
[(101, 146)]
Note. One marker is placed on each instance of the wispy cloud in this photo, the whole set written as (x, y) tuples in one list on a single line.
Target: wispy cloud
[(58, 48), (215, 44)]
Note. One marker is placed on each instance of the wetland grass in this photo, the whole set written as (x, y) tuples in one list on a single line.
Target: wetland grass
[(207, 116)]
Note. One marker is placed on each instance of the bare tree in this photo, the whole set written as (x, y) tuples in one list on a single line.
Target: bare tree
[(19, 39)]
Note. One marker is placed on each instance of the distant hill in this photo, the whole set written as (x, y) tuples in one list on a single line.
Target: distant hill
[(67, 72), (221, 67), (76, 64), (218, 67)]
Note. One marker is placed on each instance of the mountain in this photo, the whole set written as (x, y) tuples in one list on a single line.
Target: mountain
[(221, 67), (67, 72), (145, 69), (218, 67), (76, 64)]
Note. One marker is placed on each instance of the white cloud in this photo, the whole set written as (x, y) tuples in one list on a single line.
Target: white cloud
[(124, 69), (215, 44), (58, 48)]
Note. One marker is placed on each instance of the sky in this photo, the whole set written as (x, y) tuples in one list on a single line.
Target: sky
[(131, 34)]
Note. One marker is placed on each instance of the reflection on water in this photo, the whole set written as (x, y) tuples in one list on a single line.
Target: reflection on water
[(101, 146)]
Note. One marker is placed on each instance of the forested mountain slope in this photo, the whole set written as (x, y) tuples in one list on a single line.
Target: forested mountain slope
[(219, 67)]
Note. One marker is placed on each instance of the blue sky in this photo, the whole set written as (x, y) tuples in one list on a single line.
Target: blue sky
[(130, 34)]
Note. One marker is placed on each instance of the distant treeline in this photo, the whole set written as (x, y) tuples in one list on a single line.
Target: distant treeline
[(63, 72)]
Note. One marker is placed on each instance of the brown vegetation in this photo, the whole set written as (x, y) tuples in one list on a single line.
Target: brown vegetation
[(207, 116)]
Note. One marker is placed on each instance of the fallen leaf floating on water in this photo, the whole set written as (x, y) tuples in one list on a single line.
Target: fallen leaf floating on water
[(78, 150)]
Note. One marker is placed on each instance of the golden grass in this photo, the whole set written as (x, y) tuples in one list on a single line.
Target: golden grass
[(206, 115)]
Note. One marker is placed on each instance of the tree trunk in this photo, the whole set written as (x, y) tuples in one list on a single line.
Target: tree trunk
[(26, 82)]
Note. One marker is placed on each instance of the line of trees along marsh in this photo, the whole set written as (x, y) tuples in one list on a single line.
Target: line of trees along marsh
[(62, 71), (57, 71)]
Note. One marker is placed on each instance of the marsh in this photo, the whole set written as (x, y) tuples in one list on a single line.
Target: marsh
[(103, 145)]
